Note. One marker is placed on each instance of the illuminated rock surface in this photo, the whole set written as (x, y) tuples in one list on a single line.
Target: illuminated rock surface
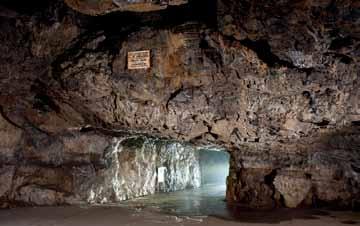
[(94, 168), (276, 83)]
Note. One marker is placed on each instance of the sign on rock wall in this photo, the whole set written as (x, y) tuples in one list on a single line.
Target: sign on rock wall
[(139, 60)]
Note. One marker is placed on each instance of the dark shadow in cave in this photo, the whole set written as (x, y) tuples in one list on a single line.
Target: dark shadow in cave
[(194, 11), (118, 26)]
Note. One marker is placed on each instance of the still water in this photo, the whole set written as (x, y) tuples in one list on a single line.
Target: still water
[(209, 200), (204, 201)]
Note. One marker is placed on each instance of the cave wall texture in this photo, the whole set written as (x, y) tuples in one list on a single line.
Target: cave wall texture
[(276, 83)]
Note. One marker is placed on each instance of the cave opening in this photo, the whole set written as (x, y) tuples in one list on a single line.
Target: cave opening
[(205, 195), (214, 168)]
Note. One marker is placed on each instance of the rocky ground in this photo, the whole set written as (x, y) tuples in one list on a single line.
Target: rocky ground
[(275, 83), (108, 216)]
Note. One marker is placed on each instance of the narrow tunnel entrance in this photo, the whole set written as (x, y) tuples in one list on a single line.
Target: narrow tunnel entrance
[(205, 198), (214, 167)]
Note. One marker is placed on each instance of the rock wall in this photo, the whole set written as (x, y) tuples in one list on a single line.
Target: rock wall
[(96, 7), (89, 167), (132, 170), (274, 82)]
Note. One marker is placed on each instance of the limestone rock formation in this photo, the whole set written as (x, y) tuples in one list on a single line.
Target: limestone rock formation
[(95, 168), (96, 7), (276, 83), (294, 189)]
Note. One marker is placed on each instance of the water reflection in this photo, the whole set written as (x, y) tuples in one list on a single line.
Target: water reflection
[(209, 200), (204, 201)]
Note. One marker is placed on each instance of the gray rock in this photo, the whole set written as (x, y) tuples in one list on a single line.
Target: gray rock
[(293, 189)]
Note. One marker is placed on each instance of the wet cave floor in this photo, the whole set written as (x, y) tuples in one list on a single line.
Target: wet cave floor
[(208, 200), (202, 206)]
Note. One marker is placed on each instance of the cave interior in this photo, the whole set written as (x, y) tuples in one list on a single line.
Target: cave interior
[(195, 107)]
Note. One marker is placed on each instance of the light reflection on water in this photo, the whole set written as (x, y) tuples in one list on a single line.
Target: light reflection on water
[(204, 201), (209, 200)]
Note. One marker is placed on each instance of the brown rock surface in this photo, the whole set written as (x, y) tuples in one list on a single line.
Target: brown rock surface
[(276, 83), (96, 7), (294, 189), (11, 136)]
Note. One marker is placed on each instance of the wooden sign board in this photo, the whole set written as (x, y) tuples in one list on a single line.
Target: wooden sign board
[(139, 60)]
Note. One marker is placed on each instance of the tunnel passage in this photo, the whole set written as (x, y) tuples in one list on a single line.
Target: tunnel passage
[(214, 167), (158, 170), (204, 196), (141, 166), (201, 168)]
